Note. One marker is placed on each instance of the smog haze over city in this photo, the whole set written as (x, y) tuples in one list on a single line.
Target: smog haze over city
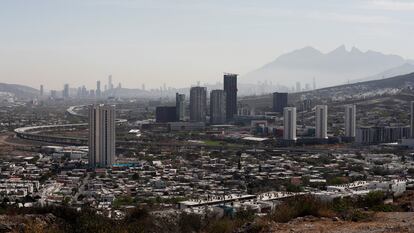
[(206, 116), (180, 42)]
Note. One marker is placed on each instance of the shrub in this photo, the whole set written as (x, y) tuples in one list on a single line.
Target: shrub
[(224, 225), (372, 199), (190, 222), (358, 216), (301, 206)]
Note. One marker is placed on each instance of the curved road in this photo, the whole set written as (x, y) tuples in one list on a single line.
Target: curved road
[(30, 133)]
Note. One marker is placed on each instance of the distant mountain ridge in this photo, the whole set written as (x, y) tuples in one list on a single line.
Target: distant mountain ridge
[(329, 69), (19, 91)]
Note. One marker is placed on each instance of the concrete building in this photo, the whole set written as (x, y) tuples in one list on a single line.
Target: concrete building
[(289, 123), (350, 120), (280, 101), (187, 126), (375, 135), (110, 84), (101, 135), (41, 90), (198, 104), (165, 114), (98, 91), (217, 107), (298, 87), (180, 107), (53, 94), (321, 126), (65, 93), (230, 88)]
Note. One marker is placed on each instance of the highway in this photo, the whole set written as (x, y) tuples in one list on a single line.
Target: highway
[(31, 133)]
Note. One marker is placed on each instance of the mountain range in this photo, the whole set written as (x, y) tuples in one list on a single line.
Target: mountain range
[(329, 69)]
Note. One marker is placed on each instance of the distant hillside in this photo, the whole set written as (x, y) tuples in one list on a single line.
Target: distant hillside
[(406, 68), (20, 91), (329, 69), (342, 92)]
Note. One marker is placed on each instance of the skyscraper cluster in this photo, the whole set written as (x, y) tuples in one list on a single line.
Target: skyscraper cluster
[(82, 91), (223, 104)]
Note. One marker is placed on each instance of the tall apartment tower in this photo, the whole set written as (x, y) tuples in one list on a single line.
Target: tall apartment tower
[(230, 88), (350, 120), (101, 135), (321, 130), (280, 101), (198, 104), (110, 84), (179, 106), (412, 120), (41, 90), (98, 91), (217, 107), (289, 123), (298, 87), (65, 93), (53, 94)]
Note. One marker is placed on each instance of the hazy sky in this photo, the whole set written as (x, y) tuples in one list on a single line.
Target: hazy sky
[(180, 42)]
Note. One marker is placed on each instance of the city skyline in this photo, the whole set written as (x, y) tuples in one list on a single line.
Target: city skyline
[(206, 116)]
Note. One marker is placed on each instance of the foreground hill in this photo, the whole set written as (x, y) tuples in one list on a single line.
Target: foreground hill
[(397, 222)]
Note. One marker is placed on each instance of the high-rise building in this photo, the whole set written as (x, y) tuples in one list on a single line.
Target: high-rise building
[(53, 94), (217, 107), (143, 87), (298, 87), (350, 120), (314, 84), (306, 105), (84, 92), (101, 135), (180, 107), (198, 104), (321, 129), (41, 90), (65, 93), (230, 88), (412, 120), (98, 92), (110, 84), (280, 101), (289, 123), (165, 114), (92, 93)]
